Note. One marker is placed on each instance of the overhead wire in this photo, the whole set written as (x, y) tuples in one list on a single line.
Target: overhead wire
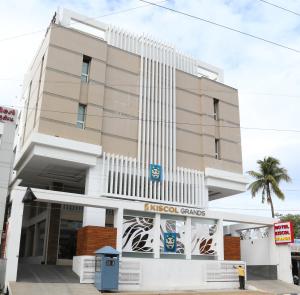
[(67, 83), (280, 7), (72, 22), (82, 205), (222, 26), (131, 118)]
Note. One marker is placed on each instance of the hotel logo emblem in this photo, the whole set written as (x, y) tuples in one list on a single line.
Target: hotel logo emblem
[(170, 242), (155, 172)]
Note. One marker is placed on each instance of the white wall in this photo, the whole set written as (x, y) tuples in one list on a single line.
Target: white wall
[(7, 133), (256, 252), (148, 274), (176, 274), (264, 251)]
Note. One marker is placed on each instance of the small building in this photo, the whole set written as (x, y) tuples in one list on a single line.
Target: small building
[(8, 120), (125, 142)]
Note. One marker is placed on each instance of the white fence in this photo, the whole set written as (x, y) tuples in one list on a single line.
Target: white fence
[(124, 178), (84, 267), (223, 271)]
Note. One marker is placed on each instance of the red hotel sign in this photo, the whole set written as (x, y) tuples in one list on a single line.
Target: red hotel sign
[(283, 232), (7, 115)]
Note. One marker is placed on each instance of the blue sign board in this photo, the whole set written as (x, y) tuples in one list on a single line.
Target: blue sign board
[(170, 242), (155, 172)]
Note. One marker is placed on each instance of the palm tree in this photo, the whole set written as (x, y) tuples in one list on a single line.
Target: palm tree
[(267, 180)]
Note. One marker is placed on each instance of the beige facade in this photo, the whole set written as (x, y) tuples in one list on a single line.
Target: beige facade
[(111, 96)]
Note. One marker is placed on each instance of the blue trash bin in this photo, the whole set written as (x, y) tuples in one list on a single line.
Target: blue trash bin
[(107, 269)]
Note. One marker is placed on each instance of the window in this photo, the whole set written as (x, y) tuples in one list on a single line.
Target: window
[(85, 68), (217, 149), (216, 109), (81, 116)]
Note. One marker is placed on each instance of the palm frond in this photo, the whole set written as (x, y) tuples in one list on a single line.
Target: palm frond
[(255, 187), (255, 174), (268, 178), (275, 188)]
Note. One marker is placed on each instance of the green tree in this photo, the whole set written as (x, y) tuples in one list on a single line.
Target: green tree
[(295, 219), (267, 180)]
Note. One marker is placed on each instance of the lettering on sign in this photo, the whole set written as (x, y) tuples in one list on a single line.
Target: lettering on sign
[(174, 210), (283, 232), (7, 115)]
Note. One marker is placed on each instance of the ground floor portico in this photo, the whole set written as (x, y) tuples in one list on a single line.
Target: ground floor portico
[(139, 227)]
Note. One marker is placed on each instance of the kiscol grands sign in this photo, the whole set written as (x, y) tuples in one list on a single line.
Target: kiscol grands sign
[(283, 232)]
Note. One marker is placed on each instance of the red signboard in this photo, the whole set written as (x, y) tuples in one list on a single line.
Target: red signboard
[(7, 115), (283, 232)]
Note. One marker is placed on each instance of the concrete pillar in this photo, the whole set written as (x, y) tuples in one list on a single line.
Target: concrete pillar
[(35, 240), (53, 235), (156, 243), (220, 240), (94, 187), (188, 238), (28, 243), (14, 235), (118, 223)]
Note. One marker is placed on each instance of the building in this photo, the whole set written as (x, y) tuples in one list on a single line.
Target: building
[(125, 141), (8, 118)]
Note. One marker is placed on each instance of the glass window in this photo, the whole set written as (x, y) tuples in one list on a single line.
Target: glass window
[(217, 149), (216, 109), (40, 239), (81, 116), (68, 238), (85, 68)]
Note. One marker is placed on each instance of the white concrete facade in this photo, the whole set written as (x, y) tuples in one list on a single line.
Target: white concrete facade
[(96, 201)]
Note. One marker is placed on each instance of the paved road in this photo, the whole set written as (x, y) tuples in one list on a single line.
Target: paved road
[(51, 289), (275, 287), (204, 292), (38, 273)]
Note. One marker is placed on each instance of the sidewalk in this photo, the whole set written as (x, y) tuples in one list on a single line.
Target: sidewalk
[(200, 292)]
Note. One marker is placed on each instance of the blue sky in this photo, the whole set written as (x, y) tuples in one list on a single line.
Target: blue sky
[(268, 77)]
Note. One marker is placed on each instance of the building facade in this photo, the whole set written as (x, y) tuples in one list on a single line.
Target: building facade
[(8, 120), (125, 141)]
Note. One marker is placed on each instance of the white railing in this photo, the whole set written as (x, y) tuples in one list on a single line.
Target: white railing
[(223, 271), (122, 178)]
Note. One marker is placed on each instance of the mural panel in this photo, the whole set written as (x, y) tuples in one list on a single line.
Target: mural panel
[(138, 234), (204, 237)]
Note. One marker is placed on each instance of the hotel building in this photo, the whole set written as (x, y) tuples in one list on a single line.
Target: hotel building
[(124, 139)]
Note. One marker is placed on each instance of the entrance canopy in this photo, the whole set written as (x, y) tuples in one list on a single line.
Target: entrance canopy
[(111, 203)]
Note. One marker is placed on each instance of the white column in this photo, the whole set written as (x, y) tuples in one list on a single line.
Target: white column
[(118, 223), (94, 187), (156, 244), (188, 238), (280, 255), (220, 240), (14, 235)]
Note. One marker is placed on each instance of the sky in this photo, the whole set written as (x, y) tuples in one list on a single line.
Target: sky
[(267, 76)]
